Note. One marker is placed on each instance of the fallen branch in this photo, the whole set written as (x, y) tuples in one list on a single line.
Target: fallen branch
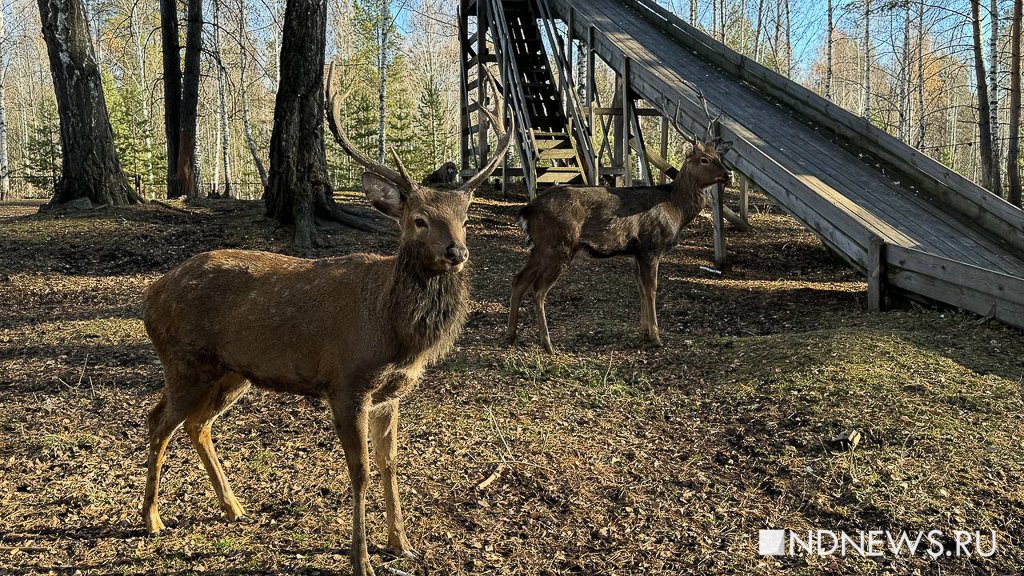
[(490, 479)]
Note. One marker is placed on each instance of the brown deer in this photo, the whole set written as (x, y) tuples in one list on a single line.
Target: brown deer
[(603, 221), (357, 330), (446, 174)]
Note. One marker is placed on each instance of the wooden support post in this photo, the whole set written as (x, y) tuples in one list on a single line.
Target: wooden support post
[(876, 274), (463, 95), (744, 200), (591, 90), (664, 147), (627, 117), (568, 36), (718, 209), (718, 223), (482, 23)]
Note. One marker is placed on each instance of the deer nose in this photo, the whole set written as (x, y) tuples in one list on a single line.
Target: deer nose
[(457, 253)]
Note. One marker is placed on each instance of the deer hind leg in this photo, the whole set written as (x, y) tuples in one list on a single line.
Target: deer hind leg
[(647, 271), (644, 320), (199, 425), (523, 280), (384, 433), (350, 422), (546, 278), (164, 419)]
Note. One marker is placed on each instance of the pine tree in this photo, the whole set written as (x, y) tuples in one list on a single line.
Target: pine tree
[(42, 150)]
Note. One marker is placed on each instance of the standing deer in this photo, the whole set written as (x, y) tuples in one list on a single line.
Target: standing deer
[(357, 330), (603, 221)]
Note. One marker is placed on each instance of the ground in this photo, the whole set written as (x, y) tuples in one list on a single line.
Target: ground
[(610, 457)]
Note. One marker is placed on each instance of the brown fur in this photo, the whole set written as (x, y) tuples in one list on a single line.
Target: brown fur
[(446, 174), (642, 221), (357, 330)]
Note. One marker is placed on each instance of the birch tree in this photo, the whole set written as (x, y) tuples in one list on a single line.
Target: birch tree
[(1013, 140), (989, 177), (5, 172)]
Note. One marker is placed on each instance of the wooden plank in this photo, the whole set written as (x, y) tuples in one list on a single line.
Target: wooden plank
[(991, 282), (959, 295)]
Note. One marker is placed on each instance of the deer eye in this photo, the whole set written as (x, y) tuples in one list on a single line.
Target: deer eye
[(421, 223), (704, 160)]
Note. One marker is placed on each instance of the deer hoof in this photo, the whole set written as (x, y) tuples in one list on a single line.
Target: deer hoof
[(153, 524), (234, 512), (409, 554)]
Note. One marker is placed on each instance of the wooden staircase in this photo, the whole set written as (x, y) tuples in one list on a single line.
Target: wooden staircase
[(547, 148)]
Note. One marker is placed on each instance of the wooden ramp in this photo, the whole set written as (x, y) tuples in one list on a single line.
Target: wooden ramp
[(892, 212)]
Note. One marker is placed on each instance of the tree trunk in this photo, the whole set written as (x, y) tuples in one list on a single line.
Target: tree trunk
[(758, 29), (921, 125), (866, 105), (829, 49), (140, 64), (904, 79), (993, 96), (187, 170), (90, 165), (5, 179), (243, 28), (222, 81), (382, 67), (1013, 142), (171, 48), (299, 188), (693, 12), (984, 128)]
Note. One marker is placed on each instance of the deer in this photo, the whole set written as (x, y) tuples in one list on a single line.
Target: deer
[(446, 174), (357, 331), (644, 222)]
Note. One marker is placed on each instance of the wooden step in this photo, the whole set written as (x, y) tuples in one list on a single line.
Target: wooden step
[(559, 175), (556, 154)]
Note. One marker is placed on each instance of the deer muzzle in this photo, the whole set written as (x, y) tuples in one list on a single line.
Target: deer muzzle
[(457, 254)]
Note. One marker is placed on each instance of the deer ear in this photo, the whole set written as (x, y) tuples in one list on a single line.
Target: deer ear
[(723, 147), (383, 194)]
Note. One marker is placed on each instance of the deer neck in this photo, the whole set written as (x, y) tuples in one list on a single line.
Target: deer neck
[(687, 195), (426, 311)]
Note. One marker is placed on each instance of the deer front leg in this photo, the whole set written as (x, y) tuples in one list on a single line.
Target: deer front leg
[(648, 272), (350, 422), (384, 433)]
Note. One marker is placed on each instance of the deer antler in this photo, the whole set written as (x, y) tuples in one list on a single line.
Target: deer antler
[(400, 177), (711, 121), (497, 119)]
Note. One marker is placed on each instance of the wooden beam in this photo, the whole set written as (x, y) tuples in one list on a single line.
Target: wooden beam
[(609, 111), (876, 274), (664, 147), (717, 223), (744, 199), (591, 89), (627, 172)]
